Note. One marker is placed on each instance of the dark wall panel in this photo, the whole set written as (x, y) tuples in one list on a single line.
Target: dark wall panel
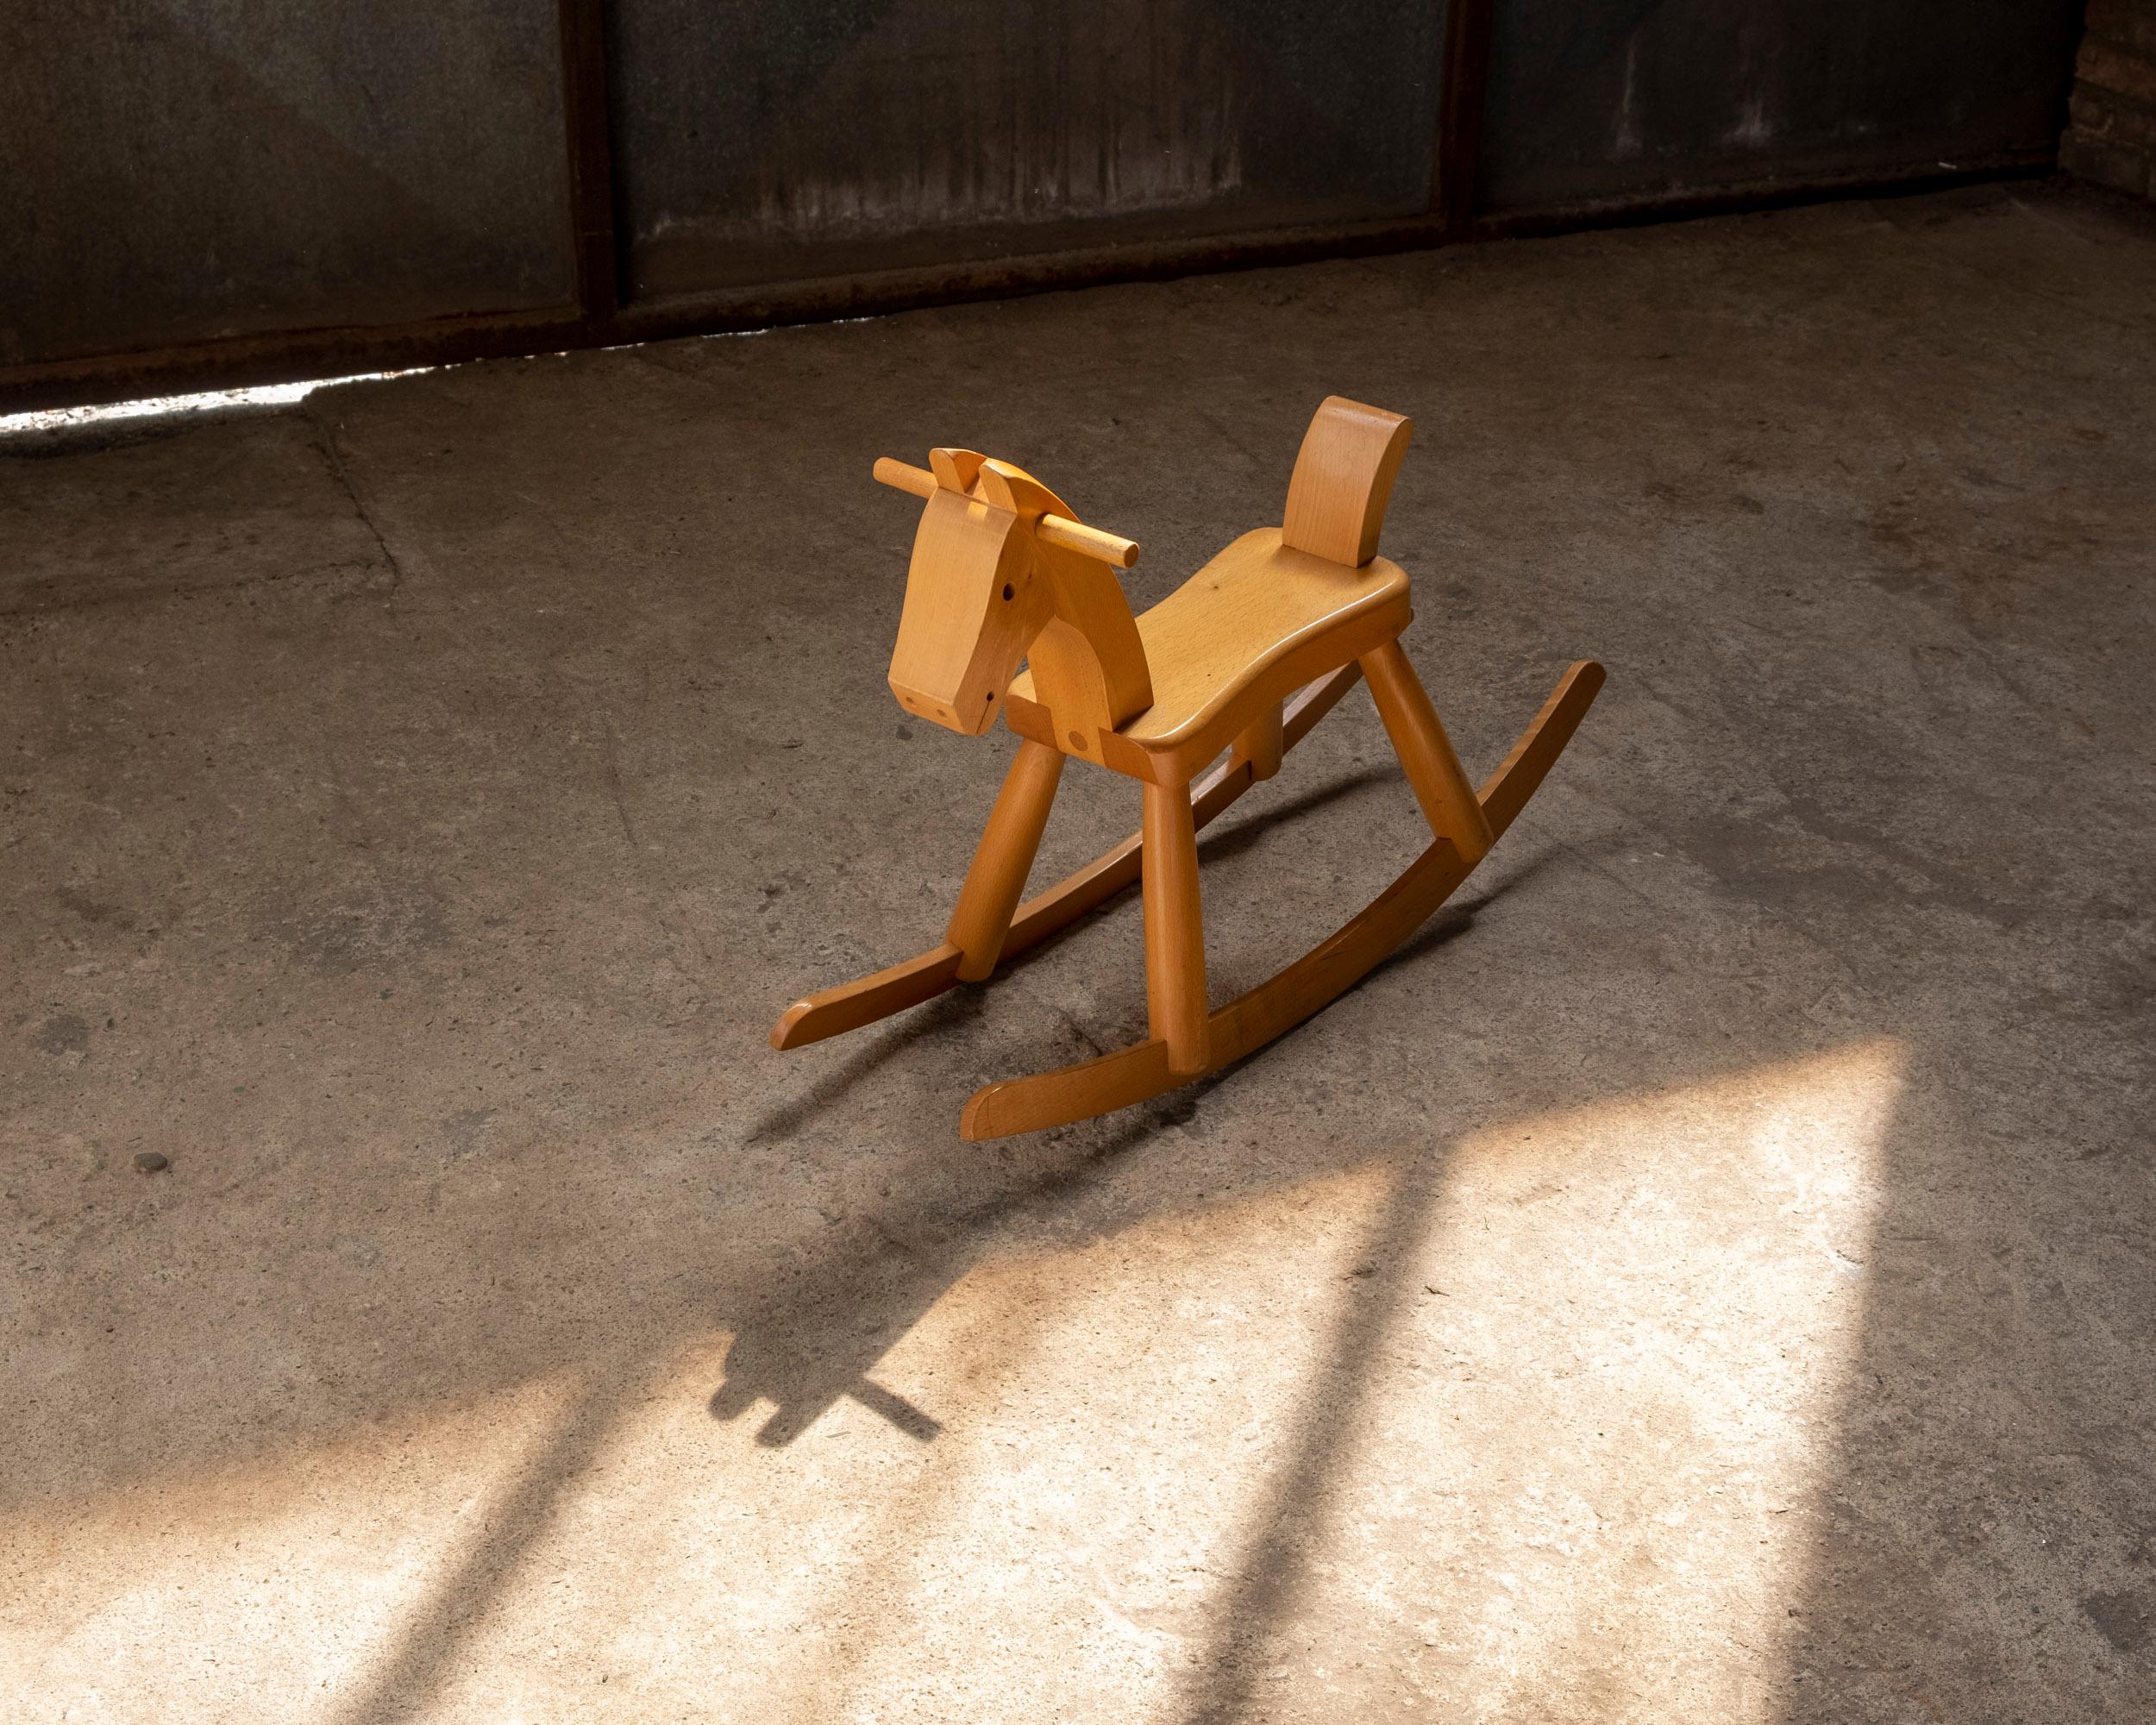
[(761, 142), (176, 171), (214, 190), (1590, 100)]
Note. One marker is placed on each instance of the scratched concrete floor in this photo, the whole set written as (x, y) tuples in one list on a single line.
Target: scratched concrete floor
[(1707, 1275)]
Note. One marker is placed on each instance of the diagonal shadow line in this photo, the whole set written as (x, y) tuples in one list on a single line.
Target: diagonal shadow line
[(456, 1607), (965, 1001), (1231, 839), (890, 1559), (804, 1362), (435, 1630), (1453, 921), (1269, 1575), (968, 1000), (946, 1012), (1447, 924), (804, 1348)]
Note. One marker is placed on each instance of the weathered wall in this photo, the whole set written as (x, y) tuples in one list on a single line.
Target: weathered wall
[(2112, 139), (185, 169), (1598, 100), (216, 191), (759, 143)]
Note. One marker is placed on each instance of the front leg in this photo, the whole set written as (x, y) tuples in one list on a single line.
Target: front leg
[(978, 928), (997, 878)]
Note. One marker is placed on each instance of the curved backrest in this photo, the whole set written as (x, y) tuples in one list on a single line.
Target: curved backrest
[(1342, 480)]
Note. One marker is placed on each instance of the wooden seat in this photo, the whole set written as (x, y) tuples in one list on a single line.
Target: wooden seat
[(1259, 621)]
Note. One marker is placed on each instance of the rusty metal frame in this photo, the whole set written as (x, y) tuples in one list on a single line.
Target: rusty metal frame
[(599, 317), (1461, 82), (596, 244)]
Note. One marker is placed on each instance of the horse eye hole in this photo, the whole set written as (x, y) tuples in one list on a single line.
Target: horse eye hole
[(1009, 592)]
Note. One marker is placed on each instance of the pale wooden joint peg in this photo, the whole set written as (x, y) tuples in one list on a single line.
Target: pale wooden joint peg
[(1174, 927), (1425, 754)]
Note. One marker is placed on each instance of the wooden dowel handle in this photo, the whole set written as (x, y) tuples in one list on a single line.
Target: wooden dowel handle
[(1073, 535), (918, 481), (1090, 541)]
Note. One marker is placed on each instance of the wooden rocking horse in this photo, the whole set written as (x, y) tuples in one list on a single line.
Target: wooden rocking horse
[(1246, 656)]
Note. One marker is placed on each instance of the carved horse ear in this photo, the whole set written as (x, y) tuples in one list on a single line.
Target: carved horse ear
[(955, 469), (1342, 480)]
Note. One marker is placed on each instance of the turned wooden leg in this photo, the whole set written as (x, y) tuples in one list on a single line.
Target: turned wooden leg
[(1174, 928), (1005, 857), (1448, 800)]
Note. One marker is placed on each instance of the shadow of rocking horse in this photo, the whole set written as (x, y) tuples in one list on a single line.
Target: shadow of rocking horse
[(1243, 658)]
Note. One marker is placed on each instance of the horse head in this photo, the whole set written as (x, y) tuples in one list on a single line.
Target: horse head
[(997, 560)]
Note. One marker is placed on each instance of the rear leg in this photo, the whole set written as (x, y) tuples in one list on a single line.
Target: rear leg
[(1448, 800), (1174, 928)]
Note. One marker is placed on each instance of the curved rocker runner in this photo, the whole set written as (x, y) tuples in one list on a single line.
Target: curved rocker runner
[(1246, 656)]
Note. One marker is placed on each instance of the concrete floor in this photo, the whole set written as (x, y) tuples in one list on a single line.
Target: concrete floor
[(1707, 1275)]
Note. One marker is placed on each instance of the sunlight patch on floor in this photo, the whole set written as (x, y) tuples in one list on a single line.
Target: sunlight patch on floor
[(1105, 1415), (1586, 1486), (1244, 1451), (318, 1556), (1530, 1425)]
